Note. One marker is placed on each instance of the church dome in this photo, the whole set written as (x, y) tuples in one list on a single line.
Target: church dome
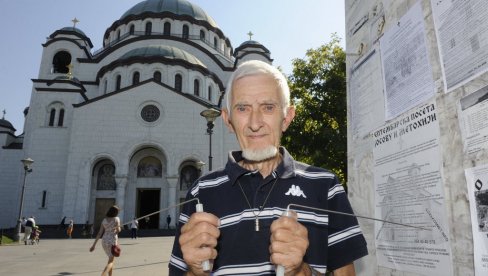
[(162, 51), (6, 124), (177, 7), (73, 29)]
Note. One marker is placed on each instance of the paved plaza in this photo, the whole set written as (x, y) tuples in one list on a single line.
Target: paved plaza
[(56, 257)]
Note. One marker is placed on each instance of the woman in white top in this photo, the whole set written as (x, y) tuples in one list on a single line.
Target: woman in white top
[(109, 228)]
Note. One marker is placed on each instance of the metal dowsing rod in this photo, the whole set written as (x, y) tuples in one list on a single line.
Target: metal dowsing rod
[(199, 208), (280, 270)]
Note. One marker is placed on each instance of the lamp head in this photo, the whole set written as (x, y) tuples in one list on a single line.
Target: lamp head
[(210, 114), (27, 164)]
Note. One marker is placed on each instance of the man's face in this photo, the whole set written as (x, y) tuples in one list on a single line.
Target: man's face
[(257, 116)]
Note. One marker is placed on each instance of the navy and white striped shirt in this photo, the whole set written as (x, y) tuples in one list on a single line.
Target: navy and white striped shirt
[(334, 240)]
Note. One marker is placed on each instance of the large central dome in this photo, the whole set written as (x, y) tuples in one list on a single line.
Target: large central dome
[(178, 7)]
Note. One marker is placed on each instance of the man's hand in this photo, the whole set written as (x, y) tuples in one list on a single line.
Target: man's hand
[(198, 240), (289, 242)]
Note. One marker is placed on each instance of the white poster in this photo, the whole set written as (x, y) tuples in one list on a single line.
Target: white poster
[(473, 117), (477, 180), (409, 190), (462, 35), (366, 95), (406, 68)]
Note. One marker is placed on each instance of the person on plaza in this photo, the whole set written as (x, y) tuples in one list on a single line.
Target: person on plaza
[(109, 229), (134, 225), (168, 220), (242, 230), (86, 229), (69, 231), (62, 224), (34, 237), (29, 225)]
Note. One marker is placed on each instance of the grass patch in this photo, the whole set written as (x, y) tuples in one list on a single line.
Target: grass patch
[(6, 240)]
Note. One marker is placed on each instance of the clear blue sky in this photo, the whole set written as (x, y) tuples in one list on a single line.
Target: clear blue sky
[(286, 27)]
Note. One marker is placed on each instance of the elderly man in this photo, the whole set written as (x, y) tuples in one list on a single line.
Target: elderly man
[(242, 231)]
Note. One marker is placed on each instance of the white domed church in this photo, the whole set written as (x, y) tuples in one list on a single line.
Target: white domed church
[(122, 124)]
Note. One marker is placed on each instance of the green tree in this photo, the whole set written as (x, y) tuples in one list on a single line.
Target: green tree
[(318, 134)]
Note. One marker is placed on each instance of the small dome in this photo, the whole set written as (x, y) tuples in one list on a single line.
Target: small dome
[(178, 7), (6, 124), (250, 42), (162, 51), (73, 29)]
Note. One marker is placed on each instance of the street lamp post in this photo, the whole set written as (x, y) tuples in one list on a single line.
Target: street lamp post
[(210, 115), (27, 162)]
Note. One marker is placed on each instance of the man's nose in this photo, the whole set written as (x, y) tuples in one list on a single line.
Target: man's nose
[(256, 120)]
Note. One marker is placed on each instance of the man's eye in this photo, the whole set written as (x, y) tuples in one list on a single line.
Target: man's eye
[(269, 108), (241, 108)]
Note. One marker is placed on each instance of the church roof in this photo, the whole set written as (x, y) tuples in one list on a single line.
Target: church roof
[(163, 51), (178, 7), (73, 29), (6, 124)]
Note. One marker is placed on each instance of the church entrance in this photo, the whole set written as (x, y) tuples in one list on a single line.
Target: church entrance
[(101, 207), (148, 201)]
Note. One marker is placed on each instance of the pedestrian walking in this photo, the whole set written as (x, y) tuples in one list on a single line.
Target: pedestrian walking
[(134, 225), (109, 228)]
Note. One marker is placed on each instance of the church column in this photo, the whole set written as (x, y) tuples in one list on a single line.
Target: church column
[(121, 181), (172, 195)]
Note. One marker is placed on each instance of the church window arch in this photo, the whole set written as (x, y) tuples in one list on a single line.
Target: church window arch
[(118, 81), (149, 166), (104, 173), (215, 42), (148, 28), (202, 35), (135, 78), (118, 35), (188, 174), (167, 28), (157, 76), (61, 60), (55, 114), (131, 29), (61, 117), (105, 84), (196, 87), (210, 96), (178, 82), (186, 32), (52, 115)]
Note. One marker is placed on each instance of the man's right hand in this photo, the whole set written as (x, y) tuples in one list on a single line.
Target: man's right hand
[(198, 240)]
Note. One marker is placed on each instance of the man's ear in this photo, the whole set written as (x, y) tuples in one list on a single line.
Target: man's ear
[(226, 118), (290, 114)]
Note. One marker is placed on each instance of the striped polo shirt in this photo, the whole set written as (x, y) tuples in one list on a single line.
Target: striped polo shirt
[(334, 240)]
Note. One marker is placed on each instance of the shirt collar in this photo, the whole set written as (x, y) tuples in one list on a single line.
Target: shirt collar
[(285, 169)]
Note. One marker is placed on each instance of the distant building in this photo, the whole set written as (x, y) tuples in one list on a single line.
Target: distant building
[(121, 125)]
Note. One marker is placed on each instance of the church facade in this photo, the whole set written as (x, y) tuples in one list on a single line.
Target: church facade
[(122, 124)]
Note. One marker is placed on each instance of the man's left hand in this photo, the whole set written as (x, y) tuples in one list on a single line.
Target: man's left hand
[(289, 242)]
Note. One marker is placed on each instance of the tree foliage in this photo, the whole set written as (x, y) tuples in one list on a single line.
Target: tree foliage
[(318, 134)]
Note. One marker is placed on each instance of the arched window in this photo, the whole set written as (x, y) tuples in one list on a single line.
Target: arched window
[(157, 76), (135, 78), (61, 117), (210, 93), (131, 29), (196, 87), (188, 175), (148, 28), (149, 166), (167, 28), (178, 82), (52, 115), (118, 80), (61, 61), (118, 35), (186, 32), (105, 176), (105, 84), (215, 42), (202, 35)]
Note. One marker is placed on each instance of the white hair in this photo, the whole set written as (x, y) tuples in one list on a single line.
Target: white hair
[(256, 67)]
